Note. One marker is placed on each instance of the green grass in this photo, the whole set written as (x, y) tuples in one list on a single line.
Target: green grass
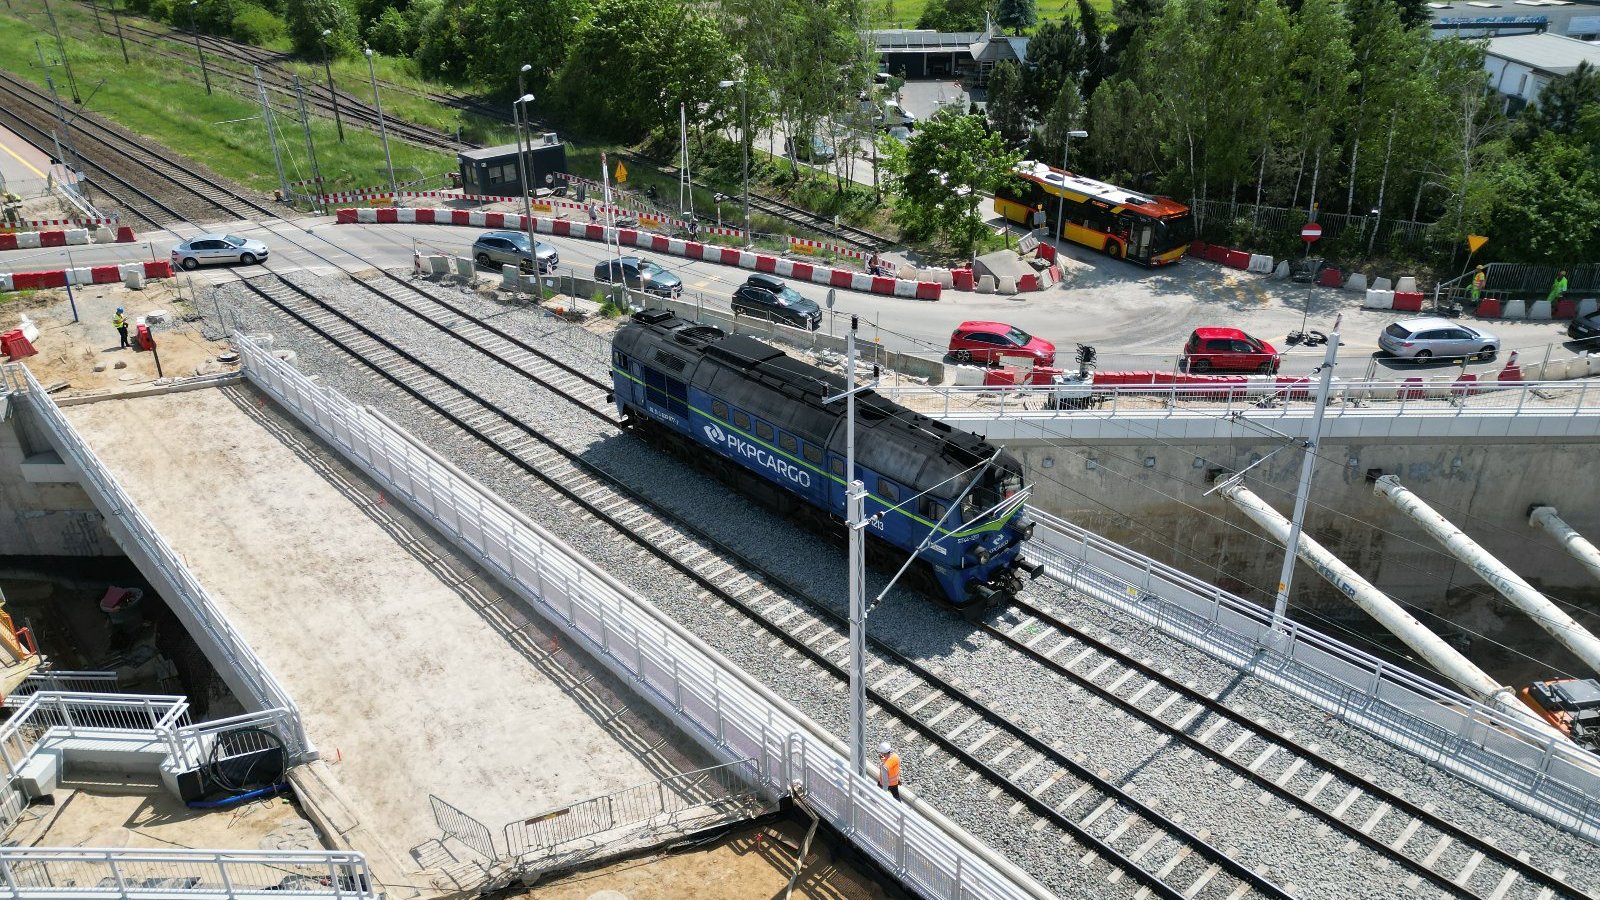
[(155, 97), (905, 13)]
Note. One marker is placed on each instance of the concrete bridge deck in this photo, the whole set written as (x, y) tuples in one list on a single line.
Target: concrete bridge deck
[(413, 675)]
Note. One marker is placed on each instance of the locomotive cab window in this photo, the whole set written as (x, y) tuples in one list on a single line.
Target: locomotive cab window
[(741, 421), (764, 431), (788, 443), (618, 360), (719, 409), (932, 509), (813, 455), (889, 490), (837, 466)]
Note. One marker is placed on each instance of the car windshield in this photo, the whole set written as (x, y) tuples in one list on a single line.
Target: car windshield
[(1172, 232), (1019, 337), (235, 240), (649, 269), (789, 297), (520, 241), (1397, 330)]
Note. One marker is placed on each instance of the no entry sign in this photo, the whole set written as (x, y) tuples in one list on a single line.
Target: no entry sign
[(1310, 232)]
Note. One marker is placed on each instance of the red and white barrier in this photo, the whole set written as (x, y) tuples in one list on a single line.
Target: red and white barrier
[(730, 256), (25, 281), (34, 240)]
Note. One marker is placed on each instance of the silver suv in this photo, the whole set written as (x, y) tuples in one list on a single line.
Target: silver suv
[(511, 248), (1432, 336)]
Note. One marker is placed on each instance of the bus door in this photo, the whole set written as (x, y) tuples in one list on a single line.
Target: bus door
[(1143, 236)]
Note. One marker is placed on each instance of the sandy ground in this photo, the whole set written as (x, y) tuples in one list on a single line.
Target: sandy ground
[(403, 686), (86, 355), (113, 816), (743, 866)]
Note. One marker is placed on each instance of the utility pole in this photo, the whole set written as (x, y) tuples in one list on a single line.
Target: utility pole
[(1308, 465), (327, 69), (95, 7), (311, 149), (116, 18), (272, 137), (383, 130), (685, 178), (204, 72), (61, 47), (65, 151)]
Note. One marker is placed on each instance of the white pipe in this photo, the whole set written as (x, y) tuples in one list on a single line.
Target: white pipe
[(1573, 542), (1443, 657), (1547, 615)]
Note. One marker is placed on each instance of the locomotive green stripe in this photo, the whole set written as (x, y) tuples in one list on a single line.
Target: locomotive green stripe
[(992, 526)]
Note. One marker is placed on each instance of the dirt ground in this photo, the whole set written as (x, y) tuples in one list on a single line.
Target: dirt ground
[(149, 816), (742, 866), (72, 352)]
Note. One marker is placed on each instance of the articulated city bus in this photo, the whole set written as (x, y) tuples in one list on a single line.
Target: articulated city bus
[(1151, 231)]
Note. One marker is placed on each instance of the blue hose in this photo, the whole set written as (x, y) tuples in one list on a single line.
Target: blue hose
[(256, 794)]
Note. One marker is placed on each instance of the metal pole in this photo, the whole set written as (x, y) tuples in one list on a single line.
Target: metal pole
[(98, 27), (744, 147), (311, 149), (61, 47), (383, 130), (1308, 465), (1061, 199), (204, 73), (272, 137), (855, 501), (327, 69), (116, 19)]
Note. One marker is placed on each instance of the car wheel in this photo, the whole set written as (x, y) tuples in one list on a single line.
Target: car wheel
[(1199, 365), (1488, 353), (483, 259), (525, 267), (247, 259), (1423, 354), (190, 263), (1264, 369), (962, 356)]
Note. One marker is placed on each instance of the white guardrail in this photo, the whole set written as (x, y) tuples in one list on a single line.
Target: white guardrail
[(1548, 777), (244, 672), (83, 873), (707, 697)]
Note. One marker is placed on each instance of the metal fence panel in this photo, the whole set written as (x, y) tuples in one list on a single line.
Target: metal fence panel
[(70, 873), (464, 828)]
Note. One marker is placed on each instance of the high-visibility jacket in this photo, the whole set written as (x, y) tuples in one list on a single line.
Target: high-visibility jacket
[(1479, 280), (118, 321), (889, 772)]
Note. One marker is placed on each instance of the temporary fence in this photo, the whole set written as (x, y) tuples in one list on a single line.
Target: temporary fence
[(1521, 281), (1215, 216), (724, 710)]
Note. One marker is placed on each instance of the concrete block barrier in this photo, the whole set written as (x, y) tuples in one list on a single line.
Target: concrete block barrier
[(1282, 271), (1382, 284), (508, 278), (1260, 264), (5, 281), (1405, 283), (944, 277), (1566, 308), (1407, 301), (1356, 282), (125, 235), (439, 265), (52, 239), (1489, 308), (1515, 309), (77, 237), (985, 284), (1539, 311), (1005, 284), (465, 268), (104, 235), (28, 240), (1376, 299), (133, 279)]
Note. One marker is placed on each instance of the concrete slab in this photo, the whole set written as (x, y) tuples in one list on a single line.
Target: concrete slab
[(413, 675), (132, 816)]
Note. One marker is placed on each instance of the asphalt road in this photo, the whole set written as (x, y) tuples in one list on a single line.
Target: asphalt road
[(1136, 318)]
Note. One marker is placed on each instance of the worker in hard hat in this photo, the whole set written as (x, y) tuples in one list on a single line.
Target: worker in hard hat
[(889, 769), (1479, 279), (120, 322)]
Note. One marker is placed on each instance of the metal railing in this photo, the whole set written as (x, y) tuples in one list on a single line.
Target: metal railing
[(244, 671), (728, 713), (708, 789), (1544, 775), (1521, 281), (64, 680), (87, 715), (77, 873)]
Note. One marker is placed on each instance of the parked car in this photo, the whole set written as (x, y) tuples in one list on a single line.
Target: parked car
[(1228, 350), (512, 248), (1586, 329), (900, 133), (815, 150), (992, 343), (205, 249), (639, 275), (767, 297), (1432, 336)]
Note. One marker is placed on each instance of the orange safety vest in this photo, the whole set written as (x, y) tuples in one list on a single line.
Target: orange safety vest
[(1479, 279), (889, 775)]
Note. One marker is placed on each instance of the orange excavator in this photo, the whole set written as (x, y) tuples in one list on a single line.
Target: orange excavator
[(1571, 705)]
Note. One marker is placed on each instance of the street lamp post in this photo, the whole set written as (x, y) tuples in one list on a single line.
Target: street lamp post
[(744, 147), (204, 73), (519, 118), (1061, 200), (383, 130), (327, 69)]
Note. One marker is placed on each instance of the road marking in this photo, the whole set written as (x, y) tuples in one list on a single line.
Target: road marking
[(13, 154)]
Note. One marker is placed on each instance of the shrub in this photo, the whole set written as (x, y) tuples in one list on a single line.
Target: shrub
[(393, 33), (256, 25)]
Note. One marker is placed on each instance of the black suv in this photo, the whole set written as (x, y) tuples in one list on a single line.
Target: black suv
[(639, 275), (767, 297)]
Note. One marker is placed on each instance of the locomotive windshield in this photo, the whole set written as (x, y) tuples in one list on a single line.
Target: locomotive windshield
[(994, 494)]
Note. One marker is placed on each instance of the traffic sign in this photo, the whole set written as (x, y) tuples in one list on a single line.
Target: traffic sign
[(1475, 242), (1310, 232)]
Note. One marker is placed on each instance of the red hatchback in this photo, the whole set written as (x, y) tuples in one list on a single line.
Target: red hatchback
[(1228, 350), (995, 343)]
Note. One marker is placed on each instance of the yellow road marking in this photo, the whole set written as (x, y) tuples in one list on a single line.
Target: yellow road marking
[(13, 154)]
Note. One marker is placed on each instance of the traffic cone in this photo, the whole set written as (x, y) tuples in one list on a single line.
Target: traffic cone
[(1512, 371)]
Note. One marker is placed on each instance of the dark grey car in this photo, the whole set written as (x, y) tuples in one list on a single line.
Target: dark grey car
[(639, 275), (1586, 328), (511, 248), (767, 297)]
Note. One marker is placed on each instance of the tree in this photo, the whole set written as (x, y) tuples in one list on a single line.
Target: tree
[(1055, 57), (1561, 104), (507, 34), (1319, 76), (1007, 105), (1547, 203), (940, 176), (307, 19), (1129, 18), (1017, 15), (955, 15), (1096, 59)]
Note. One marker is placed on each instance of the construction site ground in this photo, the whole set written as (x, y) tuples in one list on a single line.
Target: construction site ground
[(114, 812)]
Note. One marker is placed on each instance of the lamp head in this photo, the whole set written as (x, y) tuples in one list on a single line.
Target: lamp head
[(527, 67), (525, 98), (1078, 134), (726, 84)]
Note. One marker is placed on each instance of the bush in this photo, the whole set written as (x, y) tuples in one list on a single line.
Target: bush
[(256, 25), (393, 33)]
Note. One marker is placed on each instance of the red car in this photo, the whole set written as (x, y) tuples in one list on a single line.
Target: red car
[(995, 343), (1228, 350)]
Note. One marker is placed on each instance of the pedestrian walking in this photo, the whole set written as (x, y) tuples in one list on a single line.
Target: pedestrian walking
[(1559, 288), (1479, 279), (120, 322), (594, 213), (889, 769)]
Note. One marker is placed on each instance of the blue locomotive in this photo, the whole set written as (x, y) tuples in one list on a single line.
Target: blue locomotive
[(755, 416)]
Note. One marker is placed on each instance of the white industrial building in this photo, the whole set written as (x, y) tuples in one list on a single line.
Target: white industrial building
[(1521, 65)]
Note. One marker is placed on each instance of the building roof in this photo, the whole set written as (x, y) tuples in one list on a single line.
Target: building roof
[(922, 40), (1551, 54), (1572, 17)]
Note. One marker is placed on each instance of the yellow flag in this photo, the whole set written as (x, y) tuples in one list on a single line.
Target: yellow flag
[(1475, 242), (622, 173)]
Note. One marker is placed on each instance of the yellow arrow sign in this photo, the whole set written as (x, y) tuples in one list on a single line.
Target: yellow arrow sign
[(622, 172), (1475, 242)]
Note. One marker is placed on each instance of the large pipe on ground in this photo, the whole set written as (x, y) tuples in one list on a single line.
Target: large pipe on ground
[(1546, 614), (1574, 543), (1432, 648)]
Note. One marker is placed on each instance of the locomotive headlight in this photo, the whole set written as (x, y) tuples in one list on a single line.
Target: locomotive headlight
[(981, 555), (1023, 529)]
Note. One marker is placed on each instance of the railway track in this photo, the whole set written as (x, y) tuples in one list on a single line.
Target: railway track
[(1059, 792), (139, 174)]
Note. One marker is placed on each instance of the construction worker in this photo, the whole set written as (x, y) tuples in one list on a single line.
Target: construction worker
[(889, 769), (120, 322), (1559, 288), (1479, 279)]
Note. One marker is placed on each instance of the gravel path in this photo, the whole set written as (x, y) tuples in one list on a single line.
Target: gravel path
[(1316, 864)]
